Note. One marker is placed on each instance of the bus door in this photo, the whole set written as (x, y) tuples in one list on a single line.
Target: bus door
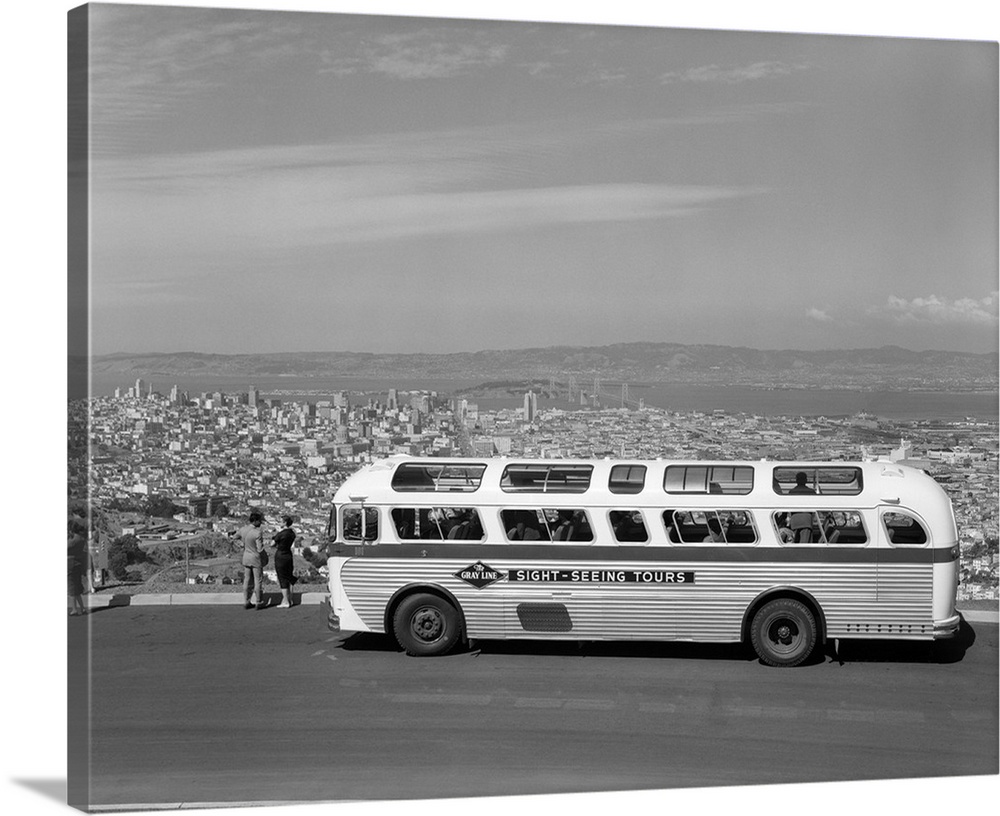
[(360, 529)]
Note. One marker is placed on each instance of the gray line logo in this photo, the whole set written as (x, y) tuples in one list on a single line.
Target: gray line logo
[(479, 575)]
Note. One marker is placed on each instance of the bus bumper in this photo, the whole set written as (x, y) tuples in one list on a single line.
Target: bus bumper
[(332, 619), (947, 628)]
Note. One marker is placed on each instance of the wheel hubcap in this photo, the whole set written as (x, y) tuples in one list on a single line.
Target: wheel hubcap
[(427, 624), (784, 635)]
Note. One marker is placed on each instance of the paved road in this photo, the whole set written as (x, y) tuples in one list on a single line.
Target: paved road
[(219, 704)]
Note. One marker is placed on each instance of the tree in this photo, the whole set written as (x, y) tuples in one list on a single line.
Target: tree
[(316, 559), (161, 507), (123, 552)]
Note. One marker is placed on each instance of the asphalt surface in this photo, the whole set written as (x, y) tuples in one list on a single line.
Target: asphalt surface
[(193, 705)]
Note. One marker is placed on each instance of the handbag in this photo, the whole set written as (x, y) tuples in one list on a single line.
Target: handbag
[(263, 558)]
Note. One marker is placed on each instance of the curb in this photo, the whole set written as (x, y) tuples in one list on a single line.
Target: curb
[(980, 615), (195, 599)]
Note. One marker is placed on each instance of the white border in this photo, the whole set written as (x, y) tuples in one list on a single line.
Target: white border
[(34, 615)]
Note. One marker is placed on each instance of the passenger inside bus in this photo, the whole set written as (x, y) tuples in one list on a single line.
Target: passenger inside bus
[(801, 483), (628, 526), (524, 528), (801, 523), (830, 530), (739, 528), (670, 526), (573, 526), (715, 533), (460, 529)]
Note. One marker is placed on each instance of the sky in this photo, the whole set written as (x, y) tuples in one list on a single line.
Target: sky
[(266, 181)]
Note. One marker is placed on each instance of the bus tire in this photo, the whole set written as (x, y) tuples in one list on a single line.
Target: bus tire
[(426, 625), (783, 632)]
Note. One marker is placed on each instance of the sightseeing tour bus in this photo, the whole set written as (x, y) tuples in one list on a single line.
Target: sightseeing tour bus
[(783, 555)]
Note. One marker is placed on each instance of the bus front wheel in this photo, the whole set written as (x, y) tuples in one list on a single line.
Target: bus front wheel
[(783, 632), (426, 625)]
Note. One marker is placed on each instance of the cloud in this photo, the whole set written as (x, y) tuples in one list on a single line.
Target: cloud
[(417, 215), (332, 206), (818, 315), (732, 76), (603, 77), (425, 54), (204, 212), (939, 311), (144, 62)]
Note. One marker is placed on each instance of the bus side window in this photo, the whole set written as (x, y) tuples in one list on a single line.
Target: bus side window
[(711, 527), (437, 523), (841, 481), (903, 530), (358, 527)]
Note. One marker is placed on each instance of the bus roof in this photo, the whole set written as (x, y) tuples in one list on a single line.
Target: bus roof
[(510, 480)]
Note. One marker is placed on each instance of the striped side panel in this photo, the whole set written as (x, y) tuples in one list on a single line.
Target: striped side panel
[(712, 608)]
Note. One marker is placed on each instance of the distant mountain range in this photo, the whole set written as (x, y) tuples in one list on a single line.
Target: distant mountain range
[(887, 367)]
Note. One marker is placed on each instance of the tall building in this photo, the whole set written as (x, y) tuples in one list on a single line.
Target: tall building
[(530, 406), (253, 396), (393, 400)]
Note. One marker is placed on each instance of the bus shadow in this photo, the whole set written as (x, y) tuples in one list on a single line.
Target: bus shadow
[(846, 651), (906, 651), (614, 649), (369, 642)]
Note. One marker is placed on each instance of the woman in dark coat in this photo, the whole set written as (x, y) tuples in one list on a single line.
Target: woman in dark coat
[(283, 540)]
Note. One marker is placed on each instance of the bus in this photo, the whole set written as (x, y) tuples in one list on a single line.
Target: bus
[(780, 555)]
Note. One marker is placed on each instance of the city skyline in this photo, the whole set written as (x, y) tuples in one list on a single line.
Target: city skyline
[(266, 181)]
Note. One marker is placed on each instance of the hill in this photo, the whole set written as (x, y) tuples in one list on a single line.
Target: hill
[(887, 367)]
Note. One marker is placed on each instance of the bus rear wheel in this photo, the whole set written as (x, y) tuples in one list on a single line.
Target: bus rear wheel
[(426, 624), (783, 632)]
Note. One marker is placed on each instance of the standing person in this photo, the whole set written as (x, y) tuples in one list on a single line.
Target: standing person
[(76, 551), (253, 568), (283, 561)]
